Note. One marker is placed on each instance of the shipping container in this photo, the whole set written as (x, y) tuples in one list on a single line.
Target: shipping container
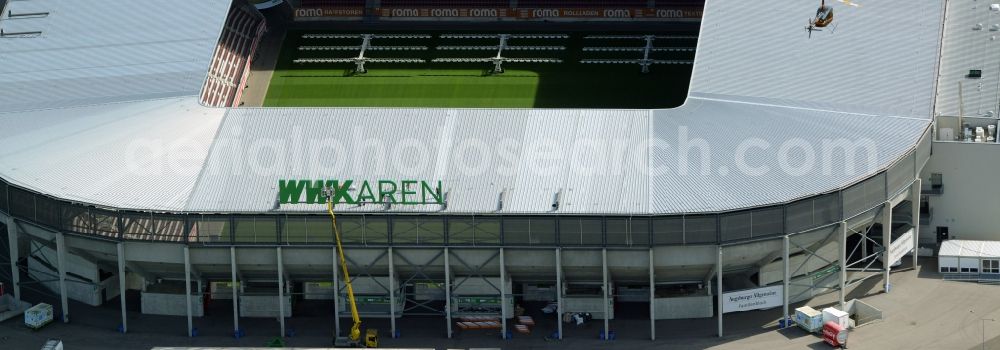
[(809, 319), (53, 344), (38, 316), (839, 317)]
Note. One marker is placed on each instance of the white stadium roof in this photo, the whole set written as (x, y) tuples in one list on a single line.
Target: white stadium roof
[(970, 43), (115, 120), (101, 51)]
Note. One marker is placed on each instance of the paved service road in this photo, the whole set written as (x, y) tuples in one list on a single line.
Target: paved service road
[(922, 312)]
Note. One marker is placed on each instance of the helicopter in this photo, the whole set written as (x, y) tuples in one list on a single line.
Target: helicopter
[(824, 16)]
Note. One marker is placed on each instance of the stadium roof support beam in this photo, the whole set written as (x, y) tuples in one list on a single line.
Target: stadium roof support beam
[(652, 296), (811, 253), (503, 295), (559, 291), (361, 60), (786, 279), (645, 62), (234, 286), (447, 292), (336, 292), (915, 218), (281, 290), (606, 290), (392, 291), (121, 284), (187, 290), (15, 275), (498, 60), (887, 243), (420, 271), (718, 284), (865, 257), (843, 264), (61, 257)]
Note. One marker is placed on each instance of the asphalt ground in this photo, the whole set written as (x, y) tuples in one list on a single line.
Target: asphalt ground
[(921, 312)]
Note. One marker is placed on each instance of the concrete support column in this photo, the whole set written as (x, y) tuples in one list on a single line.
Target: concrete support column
[(886, 243), (234, 286), (392, 295), (843, 263), (503, 296), (336, 294), (787, 279), (281, 292), (915, 218), (15, 273), (187, 290), (447, 290), (61, 257), (652, 297), (121, 284), (559, 292), (607, 290), (718, 284)]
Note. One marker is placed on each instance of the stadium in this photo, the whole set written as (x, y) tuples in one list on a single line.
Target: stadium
[(641, 162)]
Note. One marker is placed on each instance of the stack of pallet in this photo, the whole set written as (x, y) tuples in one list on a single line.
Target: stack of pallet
[(478, 322), (524, 324)]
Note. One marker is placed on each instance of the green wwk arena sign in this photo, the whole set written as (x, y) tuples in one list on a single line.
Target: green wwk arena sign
[(356, 192)]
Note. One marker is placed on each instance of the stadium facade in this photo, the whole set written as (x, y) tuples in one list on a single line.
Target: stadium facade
[(114, 157)]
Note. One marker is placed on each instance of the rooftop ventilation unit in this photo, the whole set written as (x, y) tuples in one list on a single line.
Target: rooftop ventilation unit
[(12, 15), (31, 34), (503, 196)]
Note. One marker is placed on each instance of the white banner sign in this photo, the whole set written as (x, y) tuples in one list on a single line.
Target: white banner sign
[(901, 246), (752, 299)]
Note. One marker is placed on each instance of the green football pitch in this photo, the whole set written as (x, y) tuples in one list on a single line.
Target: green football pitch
[(569, 84)]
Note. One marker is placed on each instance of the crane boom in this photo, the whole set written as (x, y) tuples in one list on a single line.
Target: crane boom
[(355, 334)]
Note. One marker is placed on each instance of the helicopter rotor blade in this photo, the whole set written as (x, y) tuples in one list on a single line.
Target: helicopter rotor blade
[(849, 3)]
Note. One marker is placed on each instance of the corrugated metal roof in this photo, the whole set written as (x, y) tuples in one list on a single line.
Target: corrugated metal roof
[(966, 248), (460, 147), (106, 51), (970, 42), (762, 81), (878, 58), (141, 155), (766, 135)]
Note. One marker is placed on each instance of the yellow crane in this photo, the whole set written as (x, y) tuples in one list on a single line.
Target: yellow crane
[(354, 338)]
